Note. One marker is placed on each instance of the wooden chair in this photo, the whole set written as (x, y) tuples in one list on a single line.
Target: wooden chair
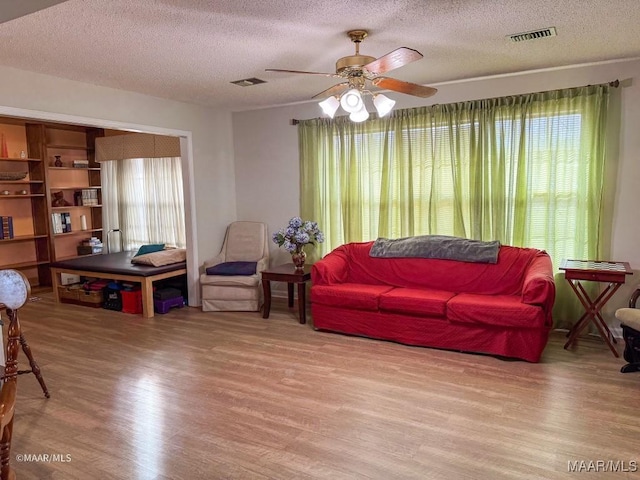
[(14, 292)]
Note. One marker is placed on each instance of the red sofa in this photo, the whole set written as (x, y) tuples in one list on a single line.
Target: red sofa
[(500, 309)]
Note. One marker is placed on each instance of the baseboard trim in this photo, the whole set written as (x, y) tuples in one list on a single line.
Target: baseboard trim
[(615, 331)]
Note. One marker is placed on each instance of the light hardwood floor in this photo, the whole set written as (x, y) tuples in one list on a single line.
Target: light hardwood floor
[(192, 395)]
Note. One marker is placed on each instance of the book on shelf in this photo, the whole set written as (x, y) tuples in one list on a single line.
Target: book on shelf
[(80, 164), (6, 232), (89, 196), (56, 222), (66, 222), (61, 222)]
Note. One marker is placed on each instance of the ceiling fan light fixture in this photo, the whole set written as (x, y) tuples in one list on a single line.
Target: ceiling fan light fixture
[(358, 71), (351, 101), (330, 106), (383, 104), (359, 116)]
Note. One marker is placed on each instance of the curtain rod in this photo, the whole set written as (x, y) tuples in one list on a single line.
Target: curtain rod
[(614, 83)]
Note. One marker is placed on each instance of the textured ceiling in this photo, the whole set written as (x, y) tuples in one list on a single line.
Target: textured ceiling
[(12, 9), (189, 50)]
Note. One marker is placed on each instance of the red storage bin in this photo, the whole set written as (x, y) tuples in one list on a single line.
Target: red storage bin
[(131, 301)]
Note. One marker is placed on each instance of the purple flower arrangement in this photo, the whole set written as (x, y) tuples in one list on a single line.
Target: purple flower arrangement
[(298, 234)]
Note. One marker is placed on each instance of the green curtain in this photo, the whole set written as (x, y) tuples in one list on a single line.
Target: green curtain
[(527, 170)]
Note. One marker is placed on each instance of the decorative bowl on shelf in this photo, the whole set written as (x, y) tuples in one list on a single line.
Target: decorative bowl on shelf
[(12, 175)]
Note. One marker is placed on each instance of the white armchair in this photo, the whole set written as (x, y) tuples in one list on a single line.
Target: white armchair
[(244, 241), (630, 323)]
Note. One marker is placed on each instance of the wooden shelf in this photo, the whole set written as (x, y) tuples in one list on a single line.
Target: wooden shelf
[(69, 147), (92, 169), (37, 289), (41, 141), (75, 207), (7, 159), (77, 232), (28, 195), (23, 265), (22, 238), (23, 182), (97, 187)]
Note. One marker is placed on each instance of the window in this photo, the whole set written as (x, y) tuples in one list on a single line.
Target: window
[(524, 170), (143, 197)]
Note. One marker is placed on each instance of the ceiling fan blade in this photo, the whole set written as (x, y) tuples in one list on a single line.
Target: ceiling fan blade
[(396, 59), (332, 90), (300, 71), (404, 87)]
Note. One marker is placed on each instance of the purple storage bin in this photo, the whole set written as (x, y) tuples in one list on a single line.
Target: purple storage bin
[(163, 306)]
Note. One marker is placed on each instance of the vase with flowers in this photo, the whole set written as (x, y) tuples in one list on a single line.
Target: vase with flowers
[(295, 236)]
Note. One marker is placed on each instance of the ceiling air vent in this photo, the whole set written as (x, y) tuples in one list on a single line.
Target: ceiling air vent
[(247, 82), (534, 34)]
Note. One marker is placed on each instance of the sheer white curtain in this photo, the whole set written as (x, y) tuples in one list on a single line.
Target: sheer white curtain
[(143, 198)]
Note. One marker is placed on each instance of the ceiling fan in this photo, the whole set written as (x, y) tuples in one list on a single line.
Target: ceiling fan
[(359, 69)]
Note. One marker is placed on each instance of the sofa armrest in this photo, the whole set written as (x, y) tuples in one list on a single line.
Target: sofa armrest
[(333, 268), (538, 287)]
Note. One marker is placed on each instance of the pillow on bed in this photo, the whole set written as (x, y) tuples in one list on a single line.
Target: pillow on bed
[(154, 247), (233, 268), (159, 259)]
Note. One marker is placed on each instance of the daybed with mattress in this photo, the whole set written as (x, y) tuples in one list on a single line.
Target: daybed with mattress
[(118, 266), (501, 308)]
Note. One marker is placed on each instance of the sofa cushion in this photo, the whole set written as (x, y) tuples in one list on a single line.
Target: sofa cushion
[(420, 301), (349, 295), (498, 310)]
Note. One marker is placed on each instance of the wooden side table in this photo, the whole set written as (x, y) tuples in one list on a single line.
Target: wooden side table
[(613, 274), (286, 273)]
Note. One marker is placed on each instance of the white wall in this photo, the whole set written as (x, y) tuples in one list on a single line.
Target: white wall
[(267, 169), (211, 175)]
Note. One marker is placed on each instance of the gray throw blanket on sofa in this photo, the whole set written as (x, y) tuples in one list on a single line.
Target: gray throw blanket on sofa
[(437, 246)]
